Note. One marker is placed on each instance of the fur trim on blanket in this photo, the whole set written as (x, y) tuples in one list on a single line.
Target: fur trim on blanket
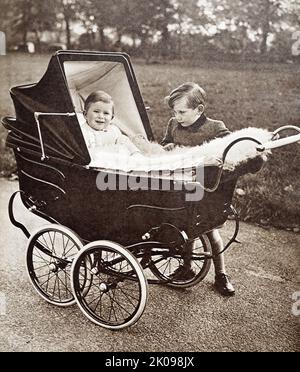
[(240, 152), (155, 158)]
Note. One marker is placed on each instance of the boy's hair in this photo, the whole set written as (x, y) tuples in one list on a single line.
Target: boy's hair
[(194, 94), (98, 96)]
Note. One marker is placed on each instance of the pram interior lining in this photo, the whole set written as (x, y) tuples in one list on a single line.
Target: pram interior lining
[(85, 77)]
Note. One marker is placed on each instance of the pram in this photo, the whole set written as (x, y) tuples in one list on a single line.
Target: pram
[(99, 241)]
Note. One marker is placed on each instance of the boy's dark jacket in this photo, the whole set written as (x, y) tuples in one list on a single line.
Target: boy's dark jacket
[(202, 130), (205, 130)]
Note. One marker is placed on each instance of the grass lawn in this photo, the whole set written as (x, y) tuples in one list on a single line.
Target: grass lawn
[(242, 95)]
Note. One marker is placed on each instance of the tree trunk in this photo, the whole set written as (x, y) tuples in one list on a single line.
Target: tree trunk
[(24, 37), (145, 48), (37, 39), (263, 45), (102, 38), (265, 29), (165, 42), (25, 21), (179, 41), (68, 32)]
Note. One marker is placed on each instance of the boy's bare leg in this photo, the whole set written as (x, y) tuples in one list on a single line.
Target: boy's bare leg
[(222, 283), (217, 246)]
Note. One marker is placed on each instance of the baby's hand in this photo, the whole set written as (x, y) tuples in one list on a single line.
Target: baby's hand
[(169, 146)]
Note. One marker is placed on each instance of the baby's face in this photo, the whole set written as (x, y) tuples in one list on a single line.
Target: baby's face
[(99, 115), (185, 115)]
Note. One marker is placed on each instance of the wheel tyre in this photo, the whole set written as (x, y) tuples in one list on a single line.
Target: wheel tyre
[(160, 272), (109, 273), (49, 275)]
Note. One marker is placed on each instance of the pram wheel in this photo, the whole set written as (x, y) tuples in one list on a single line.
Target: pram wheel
[(168, 265), (115, 295), (50, 253)]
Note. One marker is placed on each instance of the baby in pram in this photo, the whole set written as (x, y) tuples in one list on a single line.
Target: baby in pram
[(99, 131)]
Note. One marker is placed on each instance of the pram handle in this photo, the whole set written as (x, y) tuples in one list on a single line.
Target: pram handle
[(221, 165), (274, 143), (285, 127), (225, 152)]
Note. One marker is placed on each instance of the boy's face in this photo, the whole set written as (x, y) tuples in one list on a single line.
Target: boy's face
[(99, 115), (185, 115)]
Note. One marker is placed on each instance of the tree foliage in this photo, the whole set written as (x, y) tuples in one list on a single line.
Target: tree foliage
[(175, 27), (249, 21), (26, 16)]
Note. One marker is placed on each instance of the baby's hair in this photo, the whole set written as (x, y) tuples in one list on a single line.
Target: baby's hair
[(194, 94), (98, 96)]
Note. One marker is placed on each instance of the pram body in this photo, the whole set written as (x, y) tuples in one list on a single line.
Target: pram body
[(116, 233)]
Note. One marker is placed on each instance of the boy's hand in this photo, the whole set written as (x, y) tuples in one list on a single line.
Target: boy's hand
[(212, 160), (169, 146)]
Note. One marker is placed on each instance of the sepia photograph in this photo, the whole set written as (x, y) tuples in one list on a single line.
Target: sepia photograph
[(149, 178)]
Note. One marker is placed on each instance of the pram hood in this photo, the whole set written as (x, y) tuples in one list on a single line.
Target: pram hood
[(70, 77)]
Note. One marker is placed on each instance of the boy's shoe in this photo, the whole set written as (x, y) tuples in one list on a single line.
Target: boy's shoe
[(183, 273), (223, 285)]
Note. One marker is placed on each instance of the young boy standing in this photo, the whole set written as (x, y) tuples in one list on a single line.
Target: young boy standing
[(191, 127)]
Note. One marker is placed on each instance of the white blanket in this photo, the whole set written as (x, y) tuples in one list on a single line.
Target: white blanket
[(113, 157)]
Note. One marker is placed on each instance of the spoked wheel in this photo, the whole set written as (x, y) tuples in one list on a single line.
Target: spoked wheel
[(115, 295), (50, 253), (166, 266)]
